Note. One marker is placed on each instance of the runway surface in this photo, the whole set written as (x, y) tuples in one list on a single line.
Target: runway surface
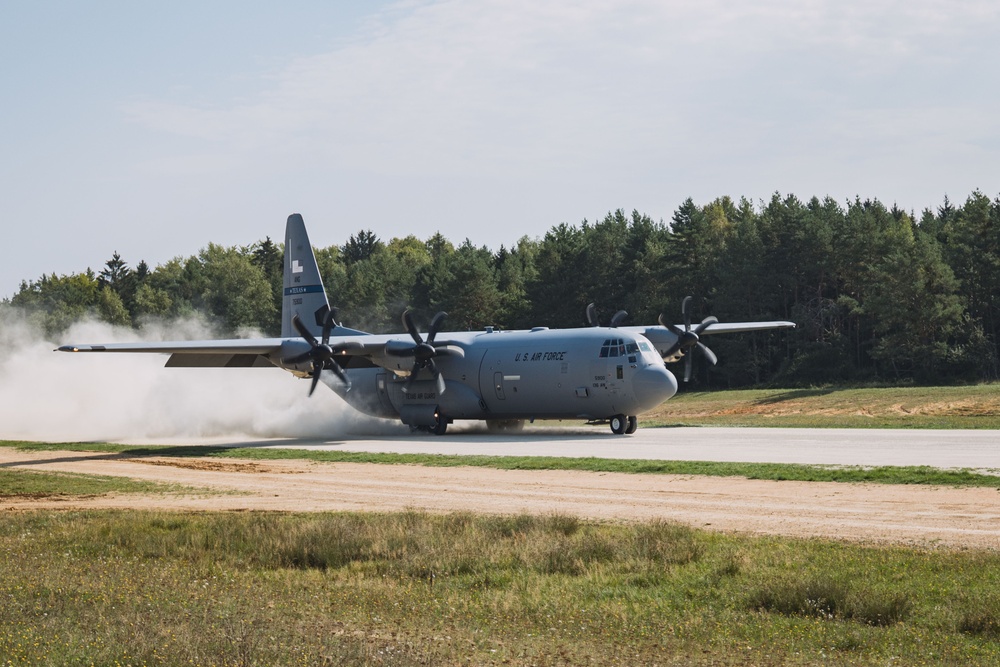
[(979, 450)]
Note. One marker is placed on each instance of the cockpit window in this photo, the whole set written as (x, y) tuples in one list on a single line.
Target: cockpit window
[(616, 347)]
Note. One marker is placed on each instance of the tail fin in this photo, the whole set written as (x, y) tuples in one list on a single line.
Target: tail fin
[(304, 294)]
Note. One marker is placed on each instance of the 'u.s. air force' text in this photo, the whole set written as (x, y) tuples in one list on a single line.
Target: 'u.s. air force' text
[(540, 356)]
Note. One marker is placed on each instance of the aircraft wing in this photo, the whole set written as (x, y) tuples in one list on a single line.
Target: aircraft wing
[(236, 353), (662, 333), (671, 348), (240, 352), (736, 327)]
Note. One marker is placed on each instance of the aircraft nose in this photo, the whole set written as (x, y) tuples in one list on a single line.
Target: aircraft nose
[(653, 385)]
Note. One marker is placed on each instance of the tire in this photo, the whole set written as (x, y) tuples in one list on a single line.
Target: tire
[(633, 425), (618, 424), (441, 426)]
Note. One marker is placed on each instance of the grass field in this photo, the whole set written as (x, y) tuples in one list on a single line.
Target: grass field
[(33, 484), (140, 588), (975, 406), (157, 588)]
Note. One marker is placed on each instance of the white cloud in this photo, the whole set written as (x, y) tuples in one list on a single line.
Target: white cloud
[(524, 115), (451, 86)]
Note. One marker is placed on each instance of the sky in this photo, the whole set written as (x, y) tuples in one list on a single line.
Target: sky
[(152, 129)]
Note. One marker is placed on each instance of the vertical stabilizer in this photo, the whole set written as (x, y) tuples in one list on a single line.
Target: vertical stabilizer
[(303, 294)]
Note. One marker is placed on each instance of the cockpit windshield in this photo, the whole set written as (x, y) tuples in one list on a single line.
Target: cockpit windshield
[(618, 347)]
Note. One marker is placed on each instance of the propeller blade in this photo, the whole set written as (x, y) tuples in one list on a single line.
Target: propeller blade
[(687, 367), (706, 323), (317, 369), (329, 322), (339, 372), (408, 388), (618, 318), (303, 331), (590, 317), (712, 359), (670, 327), (686, 312), (411, 327), (435, 325)]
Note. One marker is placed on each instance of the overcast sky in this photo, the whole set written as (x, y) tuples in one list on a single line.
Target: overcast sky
[(155, 128)]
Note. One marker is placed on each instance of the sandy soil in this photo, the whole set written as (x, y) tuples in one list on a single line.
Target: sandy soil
[(919, 516)]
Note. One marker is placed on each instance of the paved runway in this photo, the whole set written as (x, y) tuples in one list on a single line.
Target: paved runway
[(868, 447)]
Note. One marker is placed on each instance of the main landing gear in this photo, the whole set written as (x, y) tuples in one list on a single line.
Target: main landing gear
[(624, 425), (439, 427)]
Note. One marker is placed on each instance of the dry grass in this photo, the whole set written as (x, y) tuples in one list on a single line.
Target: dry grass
[(415, 589), (889, 407)]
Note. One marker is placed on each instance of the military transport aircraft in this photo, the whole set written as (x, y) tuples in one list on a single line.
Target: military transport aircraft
[(599, 374)]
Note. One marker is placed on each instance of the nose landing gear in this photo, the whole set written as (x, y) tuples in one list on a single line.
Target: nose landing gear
[(624, 425)]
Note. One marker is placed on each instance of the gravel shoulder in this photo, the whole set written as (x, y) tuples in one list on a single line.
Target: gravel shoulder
[(868, 513)]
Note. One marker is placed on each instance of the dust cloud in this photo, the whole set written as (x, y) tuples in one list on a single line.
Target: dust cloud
[(61, 397)]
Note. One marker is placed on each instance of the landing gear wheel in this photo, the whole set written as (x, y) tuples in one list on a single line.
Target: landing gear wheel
[(618, 424), (633, 425), (441, 426)]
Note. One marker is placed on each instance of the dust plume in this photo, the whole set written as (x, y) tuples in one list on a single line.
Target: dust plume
[(55, 396)]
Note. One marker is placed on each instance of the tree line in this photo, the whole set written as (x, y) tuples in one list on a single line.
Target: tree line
[(878, 294)]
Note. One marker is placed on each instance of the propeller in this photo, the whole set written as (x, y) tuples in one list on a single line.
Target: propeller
[(687, 339), (423, 351), (590, 317), (321, 354)]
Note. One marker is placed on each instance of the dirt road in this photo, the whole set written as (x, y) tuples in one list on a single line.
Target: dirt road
[(912, 515)]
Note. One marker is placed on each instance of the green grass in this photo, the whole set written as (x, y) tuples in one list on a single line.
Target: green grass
[(151, 588), (763, 471), (968, 407), (16, 483)]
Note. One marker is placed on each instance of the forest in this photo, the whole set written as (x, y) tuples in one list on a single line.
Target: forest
[(879, 294)]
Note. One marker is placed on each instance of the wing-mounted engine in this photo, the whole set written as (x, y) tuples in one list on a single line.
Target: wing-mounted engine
[(321, 355), (688, 339), (424, 351)]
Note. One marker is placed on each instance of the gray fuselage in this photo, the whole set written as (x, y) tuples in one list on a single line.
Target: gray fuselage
[(590, 374)]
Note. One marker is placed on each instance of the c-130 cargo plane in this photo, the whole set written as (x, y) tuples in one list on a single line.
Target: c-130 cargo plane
[(599, 374)]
